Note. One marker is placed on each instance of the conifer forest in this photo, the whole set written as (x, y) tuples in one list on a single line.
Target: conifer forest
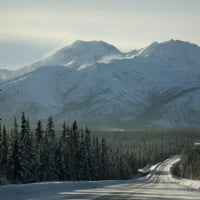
[(30, 155)]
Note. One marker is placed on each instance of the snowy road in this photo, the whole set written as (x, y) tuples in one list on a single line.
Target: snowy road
[(158, 185)]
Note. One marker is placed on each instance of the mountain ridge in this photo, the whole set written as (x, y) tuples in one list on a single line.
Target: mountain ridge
[(154, 87)]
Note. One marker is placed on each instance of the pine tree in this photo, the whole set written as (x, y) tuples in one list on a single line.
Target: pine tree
[(23, 127), (27, 151), (65, 139), (104, 160), (88, 156), (59, 161), (39, 138), (22, 148), (50, 145), (26, 158), (83, 159), (74, 152), (62, 155), (30, 175), (39, 148), (96, 160), (14, 159), (3, 153)]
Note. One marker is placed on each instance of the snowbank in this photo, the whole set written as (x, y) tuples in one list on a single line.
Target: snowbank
[(190, 184), (47, 190)]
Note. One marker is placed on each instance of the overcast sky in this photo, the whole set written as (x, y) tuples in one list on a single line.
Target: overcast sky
[(30, 29)]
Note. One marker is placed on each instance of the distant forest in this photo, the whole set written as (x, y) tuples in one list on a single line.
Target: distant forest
[(42, 154)]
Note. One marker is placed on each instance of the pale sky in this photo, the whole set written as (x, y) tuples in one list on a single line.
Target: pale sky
[(30, 29)]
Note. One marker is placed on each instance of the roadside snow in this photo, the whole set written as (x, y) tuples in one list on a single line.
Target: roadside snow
[(158, 184), (48, 190), (190, 184)]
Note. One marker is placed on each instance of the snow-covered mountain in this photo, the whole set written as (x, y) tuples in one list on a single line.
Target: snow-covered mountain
[(5, 74), (94, 83)]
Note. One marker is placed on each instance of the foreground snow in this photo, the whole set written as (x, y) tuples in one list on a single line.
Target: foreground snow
[(190, 184), (159, 184)]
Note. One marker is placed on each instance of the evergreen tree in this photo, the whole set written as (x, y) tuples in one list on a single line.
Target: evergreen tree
[(83, 158), (3, 153), (50, 145), (104, 160), (88, 156), (190, 162), (14, 159), (22, 147), (74, 152), (23, 128), (96, 160), (27, 151), (62, 155), (26, 158), (59, 161), (39, 138), (30, 174), (39, 149)]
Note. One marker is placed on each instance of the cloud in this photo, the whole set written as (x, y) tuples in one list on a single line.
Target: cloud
[(129, 25), (59, 28)]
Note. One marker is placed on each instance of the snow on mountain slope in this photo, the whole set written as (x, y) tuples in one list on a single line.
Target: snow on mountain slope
[(80, 53), (174, 52), (95, 83), (5, 74)]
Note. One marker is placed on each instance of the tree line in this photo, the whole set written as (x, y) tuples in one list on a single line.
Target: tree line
[(189, 165), (42, 154), (28, 155), (151, 146)]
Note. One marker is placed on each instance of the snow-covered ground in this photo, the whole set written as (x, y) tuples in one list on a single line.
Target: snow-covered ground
[(190, 184), (159, 184)]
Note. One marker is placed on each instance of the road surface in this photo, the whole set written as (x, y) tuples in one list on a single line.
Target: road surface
[(157, 185)]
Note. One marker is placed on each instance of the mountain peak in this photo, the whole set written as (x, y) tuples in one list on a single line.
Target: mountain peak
[(93, 44), (150, 87), (177, 43), (82, 42), (81, 52), (171, 49)]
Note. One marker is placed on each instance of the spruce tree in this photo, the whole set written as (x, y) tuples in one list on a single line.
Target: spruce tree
[(74, 152), (83, 158), (97, 160), (22, 147), (104, 160), (30, 175), (26, 158), (65, 151), (88, 156), (39, 149), (39, 135), (50, 145), (14, 159), (27, 151), (3, 153), (62, 155)]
